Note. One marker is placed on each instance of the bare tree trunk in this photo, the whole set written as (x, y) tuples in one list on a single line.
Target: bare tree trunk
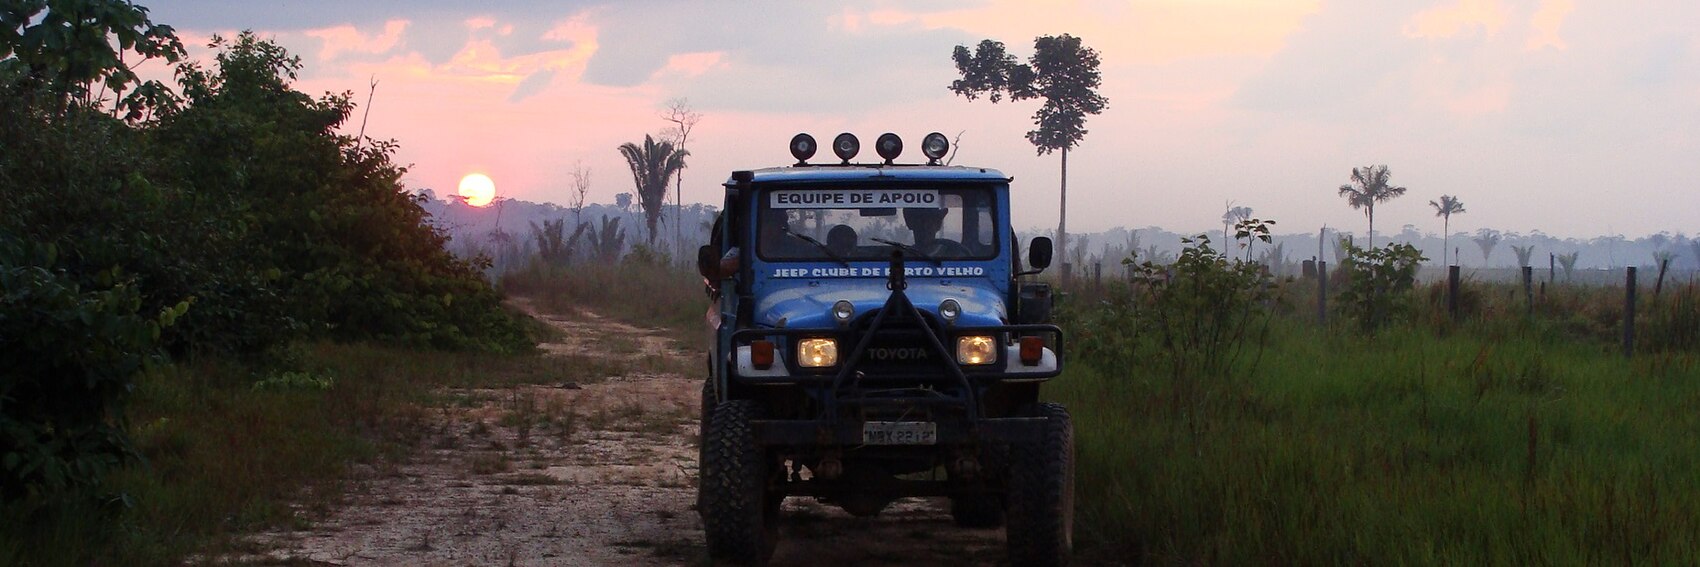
[(1062, 220), (1371, 227), (679, 213)]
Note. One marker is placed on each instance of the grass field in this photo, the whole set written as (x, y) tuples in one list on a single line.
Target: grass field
[(1401, 448)]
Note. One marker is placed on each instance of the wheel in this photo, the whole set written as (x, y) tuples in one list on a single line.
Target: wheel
[(977, 510), (1040, 526), (708, 401), (739, 514)]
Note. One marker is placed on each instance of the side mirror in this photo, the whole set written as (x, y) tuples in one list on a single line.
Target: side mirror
[(1039, 253), (708, 262)]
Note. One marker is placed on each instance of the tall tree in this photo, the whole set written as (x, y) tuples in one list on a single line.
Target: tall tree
[(1370, 185), (684, 119), (653, 165), (67, 47), (1447, 206), (1061, 71)]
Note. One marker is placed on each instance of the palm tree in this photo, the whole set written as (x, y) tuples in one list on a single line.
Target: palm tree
[(1370, 186), (1524, 253), (1487, 238), (606, 242), (653, 165), (1444, 208), (1569, 263)]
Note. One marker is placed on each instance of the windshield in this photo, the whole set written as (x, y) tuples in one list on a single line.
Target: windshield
[(851, 223)]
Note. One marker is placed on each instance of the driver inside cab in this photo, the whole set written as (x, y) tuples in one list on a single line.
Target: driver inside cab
[(925, 224)]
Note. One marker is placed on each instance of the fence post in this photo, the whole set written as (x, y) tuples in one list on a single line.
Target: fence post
[(1629, 313), (1529, 288), (1452, 291), (1097, 274), (1322, 291), (1664, 264), (1552, 266)]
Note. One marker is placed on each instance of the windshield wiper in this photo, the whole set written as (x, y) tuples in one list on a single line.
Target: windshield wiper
[(913, 251), (818, 244)]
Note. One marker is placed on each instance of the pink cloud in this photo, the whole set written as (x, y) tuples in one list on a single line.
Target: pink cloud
[(1460, 17), (348, 39), (1142, 31), (693, 64), (1545, 23)]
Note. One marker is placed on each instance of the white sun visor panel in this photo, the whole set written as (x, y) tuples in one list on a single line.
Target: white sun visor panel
[(855, 199)]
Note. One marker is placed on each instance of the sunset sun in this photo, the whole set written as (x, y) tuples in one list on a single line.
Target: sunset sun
[(477, 189)]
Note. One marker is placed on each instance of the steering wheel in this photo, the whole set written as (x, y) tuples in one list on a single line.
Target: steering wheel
[(949, 249)]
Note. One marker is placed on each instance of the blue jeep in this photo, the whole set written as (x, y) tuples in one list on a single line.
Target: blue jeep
[(874, 339)]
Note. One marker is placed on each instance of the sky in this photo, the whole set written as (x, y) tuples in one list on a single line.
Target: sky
[(1573, 117)]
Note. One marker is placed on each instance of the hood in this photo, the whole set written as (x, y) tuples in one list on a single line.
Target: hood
[(805, 305)]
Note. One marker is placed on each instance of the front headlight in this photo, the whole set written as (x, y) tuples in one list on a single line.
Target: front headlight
[(817, 353), (976, 350)]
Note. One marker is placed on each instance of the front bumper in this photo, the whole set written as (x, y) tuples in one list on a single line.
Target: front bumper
[(849, 433)]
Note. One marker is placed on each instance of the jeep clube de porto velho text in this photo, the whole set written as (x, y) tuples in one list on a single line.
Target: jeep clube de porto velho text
[(874, 338)]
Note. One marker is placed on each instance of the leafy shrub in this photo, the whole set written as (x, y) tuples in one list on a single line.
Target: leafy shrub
[(1379, 282), (68, 358), (1199, 309)]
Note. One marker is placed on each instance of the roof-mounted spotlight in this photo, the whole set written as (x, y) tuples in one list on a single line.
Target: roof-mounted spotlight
[(846, 146), (803, 147), (935, 146), (889, 146)]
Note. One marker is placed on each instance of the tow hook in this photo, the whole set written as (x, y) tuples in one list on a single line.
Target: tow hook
[(967, 467)]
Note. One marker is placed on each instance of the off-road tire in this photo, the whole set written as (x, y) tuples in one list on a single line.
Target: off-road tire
[(739, 516), (977, 510), (1040, 524), (708, 402)]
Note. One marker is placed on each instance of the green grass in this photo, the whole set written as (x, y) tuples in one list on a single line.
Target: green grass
[(223, 458), (1403, 448)]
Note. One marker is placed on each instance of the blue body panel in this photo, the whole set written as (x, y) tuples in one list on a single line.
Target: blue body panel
[(806, 304)]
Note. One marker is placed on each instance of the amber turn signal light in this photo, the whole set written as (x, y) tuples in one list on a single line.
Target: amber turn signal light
[(1032, 349), (761, 354)]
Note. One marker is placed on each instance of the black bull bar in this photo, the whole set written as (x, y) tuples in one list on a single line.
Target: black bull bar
[(829, 428)]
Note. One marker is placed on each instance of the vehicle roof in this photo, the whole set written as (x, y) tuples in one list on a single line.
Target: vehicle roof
[(813, 173)]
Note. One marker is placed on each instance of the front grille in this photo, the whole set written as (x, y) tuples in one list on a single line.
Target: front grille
[(900, 346)]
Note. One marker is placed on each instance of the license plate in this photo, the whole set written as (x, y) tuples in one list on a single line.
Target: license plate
[(900, 433)]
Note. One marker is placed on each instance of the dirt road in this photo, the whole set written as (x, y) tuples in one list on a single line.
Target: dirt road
[(597, 470)]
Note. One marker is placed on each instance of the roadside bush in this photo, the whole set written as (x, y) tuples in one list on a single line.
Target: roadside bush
[(322, 217), (68, 358)]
